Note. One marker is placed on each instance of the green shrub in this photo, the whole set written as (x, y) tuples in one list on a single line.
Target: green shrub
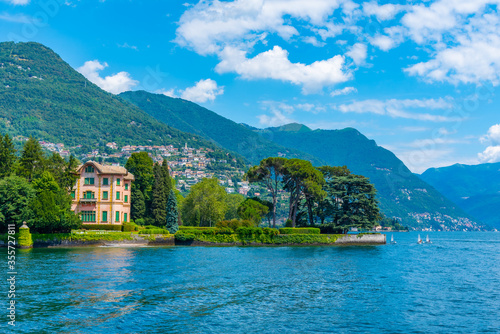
[(24, 238), (139, 221), (299, 230), (184, 236), (156, 230), (196, 228), (106, 227), (130, 227), (234, 224)]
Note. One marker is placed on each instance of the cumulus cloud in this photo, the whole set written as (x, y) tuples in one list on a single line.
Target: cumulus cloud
[(357, 53), (201, 92), (274, 64), (492, 152), (116, 83), (343, 91), (382, 12), (400, 108), (18, 2)]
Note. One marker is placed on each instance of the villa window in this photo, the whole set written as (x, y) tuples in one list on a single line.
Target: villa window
[(126, 186), (117, 195), (117, 182), (105, 216), (73, 194), (124, 217), (87, 216), (117, 216), (89, 169), (105, 181), (104, 195), (88, 195), (89, 181)]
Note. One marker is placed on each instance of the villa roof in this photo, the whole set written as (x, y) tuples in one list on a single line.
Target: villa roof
[(114, 170)]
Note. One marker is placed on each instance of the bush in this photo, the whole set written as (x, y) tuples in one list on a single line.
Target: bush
[(331, 229), (155, 230), (288, 223), (234, 224), (107, 227), (130, 227), (196, 228), (184, 236), (299, 230), (140, 221), (24, 238)]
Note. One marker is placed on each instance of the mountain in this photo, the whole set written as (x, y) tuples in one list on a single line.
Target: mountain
[(476, 188), (401, 193), (190, 117), (42, 96)]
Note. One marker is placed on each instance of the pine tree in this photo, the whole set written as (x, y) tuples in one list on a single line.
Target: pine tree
[(172, 213), (7, 156), (138, 206), (159, 197), (166, 177), (32, 159)]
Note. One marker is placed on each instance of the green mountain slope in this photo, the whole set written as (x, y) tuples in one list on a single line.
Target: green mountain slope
[(476, 189), (190, 117), (42, 96), (401, 193)]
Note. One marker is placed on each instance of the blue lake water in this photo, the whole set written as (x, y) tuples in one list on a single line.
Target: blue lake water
[(449, 286)]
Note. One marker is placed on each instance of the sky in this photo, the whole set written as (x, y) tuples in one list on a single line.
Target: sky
[(421, 78)]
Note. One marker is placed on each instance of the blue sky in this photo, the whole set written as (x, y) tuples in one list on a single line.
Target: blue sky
[(420, 78)]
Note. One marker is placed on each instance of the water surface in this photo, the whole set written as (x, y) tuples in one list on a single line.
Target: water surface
[(449, 286)]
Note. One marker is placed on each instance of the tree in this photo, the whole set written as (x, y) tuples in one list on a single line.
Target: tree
[(269, 205), (138, 205), (159, 197), (270, 173), (353, 200), (205, 205), (172, 213), (141, 166), (51, 207), (15, 195), (303, 181), (32, 159), (166, 176), (325, 207), (7, 156), (63, 172), (252, 210), (233, 201)]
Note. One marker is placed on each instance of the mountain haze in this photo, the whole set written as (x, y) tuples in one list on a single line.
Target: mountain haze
[(476, 188)]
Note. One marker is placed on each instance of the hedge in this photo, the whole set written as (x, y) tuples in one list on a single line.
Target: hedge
[(24, 238), (300, 230), (107, 227), (130, 227), (156, 230)]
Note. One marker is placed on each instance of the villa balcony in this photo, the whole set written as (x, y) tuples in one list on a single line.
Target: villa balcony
[(88, 200)]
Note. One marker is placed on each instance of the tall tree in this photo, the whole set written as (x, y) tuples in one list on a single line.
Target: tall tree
[(325, 208), (138, 204), (159, 197), (141, 166), (270, 173), (205, 205), (15, 195), (32, 159), (172, 213), (252, 210), (233, 201), (353, 198), (7, 156), (166, 176), (303, 181)]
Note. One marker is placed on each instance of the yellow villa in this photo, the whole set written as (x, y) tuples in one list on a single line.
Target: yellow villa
[(101, 194)]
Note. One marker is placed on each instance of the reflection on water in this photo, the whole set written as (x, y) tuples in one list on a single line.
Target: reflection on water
[(450, 285)]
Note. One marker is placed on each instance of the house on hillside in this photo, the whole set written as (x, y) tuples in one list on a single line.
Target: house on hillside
[(101, 194)]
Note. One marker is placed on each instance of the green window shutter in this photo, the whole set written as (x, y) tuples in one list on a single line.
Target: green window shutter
[(117, 214), (73, 194), (117, 182), (117, 195), (104, 195), (126, 199), (126, 186), (124, 217), (105, 216), (105, 181), (92, 180)]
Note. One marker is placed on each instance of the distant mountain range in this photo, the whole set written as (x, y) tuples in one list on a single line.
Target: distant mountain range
[(401, 193), (476, 189), (42, 96), (190, 117)]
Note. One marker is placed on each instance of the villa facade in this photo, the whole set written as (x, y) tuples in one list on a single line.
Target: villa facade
[(101, 194)]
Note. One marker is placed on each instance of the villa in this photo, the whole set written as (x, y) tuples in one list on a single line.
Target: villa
[(101, 194)]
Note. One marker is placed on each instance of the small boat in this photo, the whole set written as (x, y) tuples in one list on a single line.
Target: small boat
[(392, 239), (419, 240), (427, 240)]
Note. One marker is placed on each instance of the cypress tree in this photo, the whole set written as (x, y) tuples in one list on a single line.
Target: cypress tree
[(166, 177), (7, 156), (159, 197), (138, 206), (172, 213), (32, 159)]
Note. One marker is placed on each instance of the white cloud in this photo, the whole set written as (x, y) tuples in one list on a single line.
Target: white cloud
[(202, 91), (274, 64), (17, 18), (127, 46), (357, 53), (280, 113), (116, 83), (384, 12), (18, 2), (399, 108), (343, 91), (383, 42), (492, 152)]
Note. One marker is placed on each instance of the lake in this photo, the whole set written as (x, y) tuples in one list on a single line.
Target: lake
[(449, 286)]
